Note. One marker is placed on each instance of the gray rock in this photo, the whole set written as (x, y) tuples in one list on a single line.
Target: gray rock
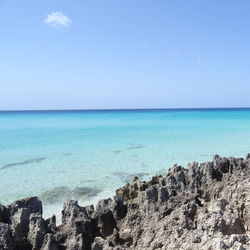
[(7, 242), (20, 226), (37, 231), (51, 224), (49, 243), (33, 203), (4, 214)]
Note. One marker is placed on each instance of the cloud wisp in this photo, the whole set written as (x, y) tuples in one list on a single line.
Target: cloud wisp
[(146, 44), (57, 20), (199, 60)]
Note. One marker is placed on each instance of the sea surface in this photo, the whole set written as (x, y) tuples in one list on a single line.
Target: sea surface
[(86, 155)]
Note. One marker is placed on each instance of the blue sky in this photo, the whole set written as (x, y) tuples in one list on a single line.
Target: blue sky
[(82, 54)]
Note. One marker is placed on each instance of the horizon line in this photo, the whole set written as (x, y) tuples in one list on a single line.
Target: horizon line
[(123, 109)]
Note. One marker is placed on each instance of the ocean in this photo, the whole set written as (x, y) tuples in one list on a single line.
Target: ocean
[(86, 155)]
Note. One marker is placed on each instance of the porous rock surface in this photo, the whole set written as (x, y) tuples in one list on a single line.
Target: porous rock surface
[(204, 206)]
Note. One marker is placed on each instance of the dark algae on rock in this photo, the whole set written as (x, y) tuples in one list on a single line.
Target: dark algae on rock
[(204, 206), (57, 194)]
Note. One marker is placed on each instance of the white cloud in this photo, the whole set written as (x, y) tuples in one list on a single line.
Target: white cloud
[(57, 20), (199, 60)]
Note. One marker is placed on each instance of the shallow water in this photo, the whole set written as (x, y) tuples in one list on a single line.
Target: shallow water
[(86, 155)]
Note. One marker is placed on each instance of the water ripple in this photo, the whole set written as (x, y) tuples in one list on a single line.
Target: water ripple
[(10, 165)]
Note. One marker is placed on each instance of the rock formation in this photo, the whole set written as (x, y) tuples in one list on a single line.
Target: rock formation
[(204, 206)]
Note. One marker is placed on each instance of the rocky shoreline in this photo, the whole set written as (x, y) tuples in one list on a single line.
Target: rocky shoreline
[(204, 206)]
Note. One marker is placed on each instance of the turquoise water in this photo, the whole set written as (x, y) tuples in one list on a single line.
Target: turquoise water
[(86, 155)]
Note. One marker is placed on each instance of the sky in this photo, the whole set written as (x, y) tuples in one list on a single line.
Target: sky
[(113, 54)]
